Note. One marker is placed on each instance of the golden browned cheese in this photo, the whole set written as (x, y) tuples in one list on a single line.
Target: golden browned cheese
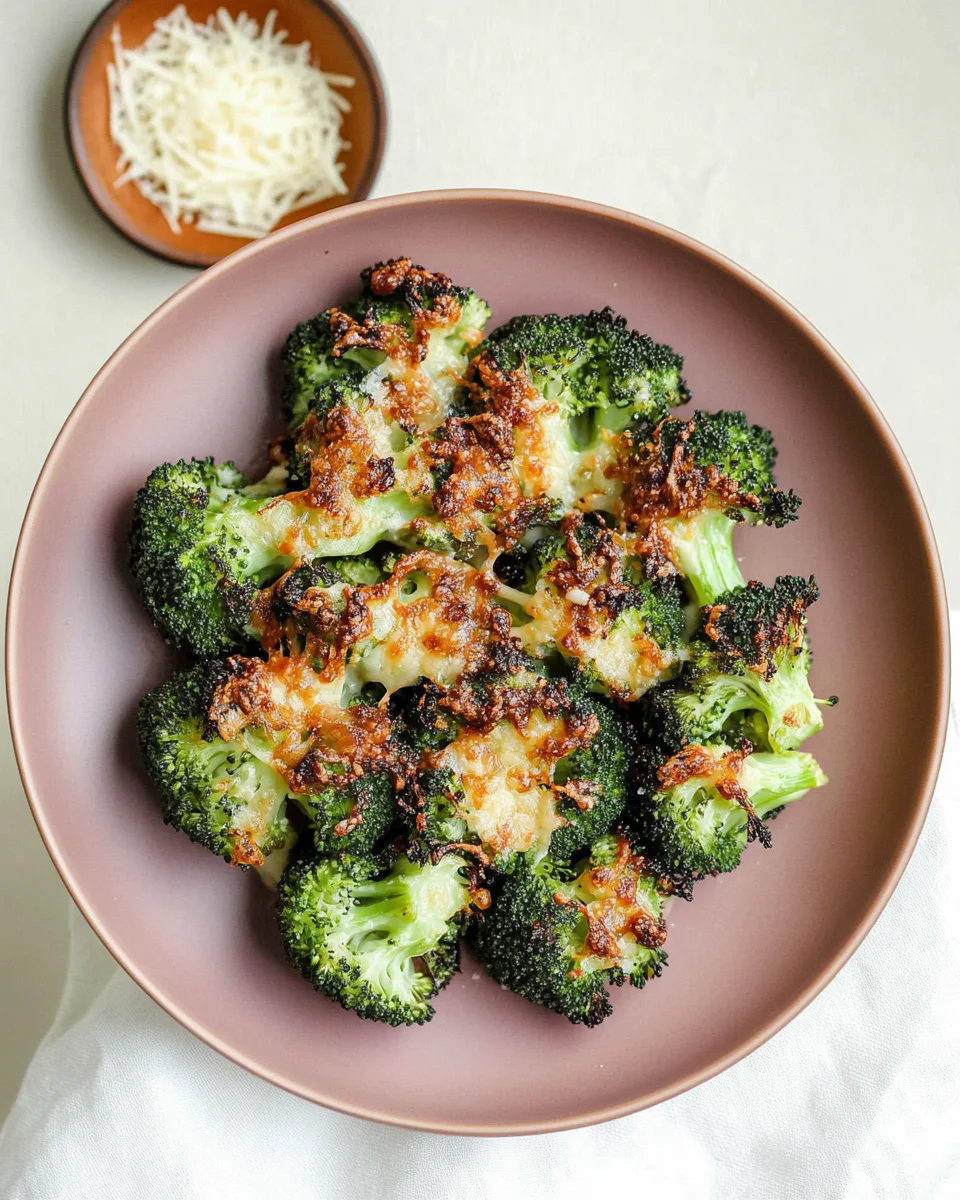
[(499, 460), (661, 486), (504, 757), (769, 638), (434, 617), (618, 914), (314, 739), (509, 800), (475, 456), (408, 395), (575, 606), (516, 402)]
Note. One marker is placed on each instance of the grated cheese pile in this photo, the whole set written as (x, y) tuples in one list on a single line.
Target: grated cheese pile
[(224, 125)]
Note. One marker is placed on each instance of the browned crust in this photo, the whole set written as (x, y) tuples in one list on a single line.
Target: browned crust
[(722, 772), (598, 574), (368, 333), (245, 853), (483, 707), (474, 455), (659, 487), (618, 909), (315, 744), (413, 283), (769, 638)]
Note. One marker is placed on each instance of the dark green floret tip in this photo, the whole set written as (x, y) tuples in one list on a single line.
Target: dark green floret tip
[(380, 941), (196, 569), (224, 795), (592, 360)]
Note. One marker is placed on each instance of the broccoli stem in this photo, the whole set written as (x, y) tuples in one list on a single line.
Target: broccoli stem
[(789, 705), (703, 549), (279, 531), (773, 780)]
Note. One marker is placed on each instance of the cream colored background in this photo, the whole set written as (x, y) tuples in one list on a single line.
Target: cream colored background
[(815, 143)]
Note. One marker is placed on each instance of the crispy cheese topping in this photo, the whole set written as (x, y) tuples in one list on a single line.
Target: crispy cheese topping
[(581, 606), (619, 918)]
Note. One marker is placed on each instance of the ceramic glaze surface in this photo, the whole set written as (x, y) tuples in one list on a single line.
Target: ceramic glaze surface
[(199, 377)]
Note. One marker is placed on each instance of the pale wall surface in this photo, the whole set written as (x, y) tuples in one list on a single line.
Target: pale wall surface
[(815, 143)]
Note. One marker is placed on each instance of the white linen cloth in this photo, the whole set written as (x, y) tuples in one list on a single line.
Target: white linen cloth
[(857, 1099)]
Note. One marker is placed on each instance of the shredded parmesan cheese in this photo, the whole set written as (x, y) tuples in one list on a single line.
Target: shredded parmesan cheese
[(223, 124)]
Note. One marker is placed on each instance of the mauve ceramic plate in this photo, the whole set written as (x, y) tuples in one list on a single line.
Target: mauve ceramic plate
[(753, 948)]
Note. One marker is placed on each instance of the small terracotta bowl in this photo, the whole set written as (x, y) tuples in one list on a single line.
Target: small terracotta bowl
[(335, 45)]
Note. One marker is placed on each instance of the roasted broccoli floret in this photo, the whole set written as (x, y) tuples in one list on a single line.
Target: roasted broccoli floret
[(516, 764), (561, 936), (225, 795), (380, 940), (689, 485), (203, 541), (699, 809), (231, 794), (569, 386), (402, 345), (350, 813), (591, 361), (748, 674), (198, 552), (594, 606)]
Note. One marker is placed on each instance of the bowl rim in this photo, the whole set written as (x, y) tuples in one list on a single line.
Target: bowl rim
[(76, 143), (932, 752)]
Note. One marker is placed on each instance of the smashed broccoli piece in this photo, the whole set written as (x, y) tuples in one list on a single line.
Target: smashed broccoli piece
[(203, 540), (225, 795), (570, 386), (515, 764), (232, 796), (380, 940), (748, 674), (561, 936), (702, 806), (405, 320), (594, 606), (690, 484)]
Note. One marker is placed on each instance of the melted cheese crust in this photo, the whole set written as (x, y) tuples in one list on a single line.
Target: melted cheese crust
[(434, 618), (629, 663), (508, 801)]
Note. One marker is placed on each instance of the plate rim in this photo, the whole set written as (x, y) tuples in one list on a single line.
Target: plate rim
[(77, 147), (933, 750)]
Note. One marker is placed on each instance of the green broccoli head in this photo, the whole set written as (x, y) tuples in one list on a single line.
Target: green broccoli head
[(204, 541), (515, 764), (351, 814), (688, 486), (697, 810), (219, 741), (402, 344), (314, 378), (225, 795), (749, 670), (561, 936), (565, 388), (198, 554), (379, 939), (594, 606), (591, 361)]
